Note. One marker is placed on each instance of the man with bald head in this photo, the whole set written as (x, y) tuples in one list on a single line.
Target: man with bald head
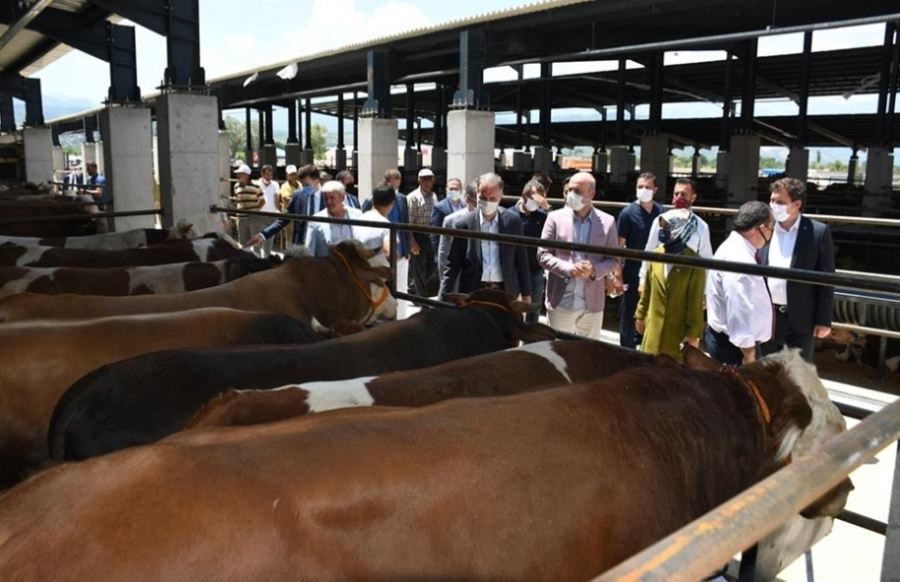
[(576, 292)]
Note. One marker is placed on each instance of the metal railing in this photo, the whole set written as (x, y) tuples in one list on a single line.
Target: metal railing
[(81, 216)]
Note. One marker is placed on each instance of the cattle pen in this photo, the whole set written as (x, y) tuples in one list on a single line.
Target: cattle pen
[(703, 546)]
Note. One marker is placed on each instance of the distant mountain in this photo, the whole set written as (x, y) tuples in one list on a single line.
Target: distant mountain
[(55, 106)]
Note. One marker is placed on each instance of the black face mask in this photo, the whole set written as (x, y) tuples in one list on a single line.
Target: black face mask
[(675, 247), (765, 238)]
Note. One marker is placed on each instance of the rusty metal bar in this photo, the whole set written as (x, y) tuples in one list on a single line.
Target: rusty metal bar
[(702, 546)]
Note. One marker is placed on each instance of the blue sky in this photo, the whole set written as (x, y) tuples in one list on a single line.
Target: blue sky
[(238, 35)]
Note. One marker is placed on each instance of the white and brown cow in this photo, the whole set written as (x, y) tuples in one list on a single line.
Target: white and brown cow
[(112, 241), (121, 281), (535, 366), (339, 288), (560, 484)]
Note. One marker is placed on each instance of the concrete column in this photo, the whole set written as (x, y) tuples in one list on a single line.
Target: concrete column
[(377, 152), (695, 164), (292, 154), (88, 155), (59, 163), (269, 155), (655, 158), (307, 157), (129, 163), (722, 170), (619, 160), (439, 159), (521, 162), (224, 164), (877, 185), (410, 160), (798, 163), (98, 157), (38, 144), (743, 175), (188, 159), (340, 159), (599, 162), (355, 160), (851, 169), (470, 143), (542, 159)]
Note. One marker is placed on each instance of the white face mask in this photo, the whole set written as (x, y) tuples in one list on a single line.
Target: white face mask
[(454, 195), (531, 205), (780, 212), (574, 200), (644, 195), (488, 208)]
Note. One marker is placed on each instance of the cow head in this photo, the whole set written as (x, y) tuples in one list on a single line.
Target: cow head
[(501, 301), (182, 229), (803, 418), (357, 259)]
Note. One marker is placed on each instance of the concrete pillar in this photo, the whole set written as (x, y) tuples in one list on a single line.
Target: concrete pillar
[(619, 164), (340, 159), (129, 163), (851, 169), (695, 164), (521, 162), (542, 159), (224, 165), (470, 143), (599, 162), (38, 144), (439, 159), (410, 160), (307, 157), (188, 159), (355, 160), (743, 175), (98, 157), (655, 158), (877, 185), (59, 163), (377, 152), (292, 154), (269, 155), (798, 164), (88, 155), (722, 170)]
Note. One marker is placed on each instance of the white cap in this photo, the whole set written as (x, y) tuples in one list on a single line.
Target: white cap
[(292, 169), (243, 169), (426, 173)]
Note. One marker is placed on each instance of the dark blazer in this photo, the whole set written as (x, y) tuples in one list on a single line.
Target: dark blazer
[(440, 211), (465, 256), (810, 305), (299, 204), (399, 215)]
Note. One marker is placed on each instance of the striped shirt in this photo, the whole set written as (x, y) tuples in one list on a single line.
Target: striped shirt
[(420, 207)]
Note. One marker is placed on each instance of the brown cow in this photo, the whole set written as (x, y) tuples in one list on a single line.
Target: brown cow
[(341, 287), (120, 281), (113, 241), (40, 360), (559, 484), (33, 206), (209, 248), (535, 366)]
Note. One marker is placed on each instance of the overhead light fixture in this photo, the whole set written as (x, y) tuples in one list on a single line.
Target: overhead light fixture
[(288, 72), (251, 79)]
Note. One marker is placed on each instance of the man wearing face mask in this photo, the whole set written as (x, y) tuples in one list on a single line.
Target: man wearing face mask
[(802, 312), (487, 264), (738, 306), (576, 292), (452, 202), (634, 225), (446, 241), (533, 208)]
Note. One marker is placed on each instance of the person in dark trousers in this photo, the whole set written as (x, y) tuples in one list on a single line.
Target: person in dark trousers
[(633, 225), (802, 311), (532, 209), (421, 203)]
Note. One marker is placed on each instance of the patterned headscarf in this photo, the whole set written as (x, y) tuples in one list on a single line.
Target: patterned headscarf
[(682, 223)]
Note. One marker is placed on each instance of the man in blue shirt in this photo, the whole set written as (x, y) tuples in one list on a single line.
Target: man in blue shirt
[(633, 225), (99, 193)]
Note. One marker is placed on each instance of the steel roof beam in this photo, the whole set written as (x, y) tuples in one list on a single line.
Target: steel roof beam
[(22, 20)]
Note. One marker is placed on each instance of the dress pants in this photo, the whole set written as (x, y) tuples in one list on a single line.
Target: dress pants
[(721, 349), (537, 295), (582, 322), (628, 335), (422, 265), (786, 335)]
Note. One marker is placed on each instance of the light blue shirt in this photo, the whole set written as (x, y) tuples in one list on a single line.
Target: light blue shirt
[(573, 297), (320, 235), (490, 250)]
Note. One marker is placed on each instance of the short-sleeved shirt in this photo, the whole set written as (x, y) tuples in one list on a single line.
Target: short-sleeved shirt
[(99, 180), (634, 225)]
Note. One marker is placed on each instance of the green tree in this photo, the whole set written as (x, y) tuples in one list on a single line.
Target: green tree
[(237, 136), (770, 163), (319, 133)]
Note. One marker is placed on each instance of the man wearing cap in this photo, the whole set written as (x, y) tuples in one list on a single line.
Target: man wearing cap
[(421, 203), (738, 306), (269, 194), (247, 196)]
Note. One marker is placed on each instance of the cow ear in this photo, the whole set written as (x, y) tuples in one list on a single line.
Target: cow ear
[(697, 360), (533, 332)]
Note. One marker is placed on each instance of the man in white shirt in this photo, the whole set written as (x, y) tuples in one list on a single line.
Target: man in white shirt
[(269, 190), (378, 239), (321, 235), (738, 306), (684, 196), (802, 311)]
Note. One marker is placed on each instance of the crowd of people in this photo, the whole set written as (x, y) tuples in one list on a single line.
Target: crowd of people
[(738, 316)]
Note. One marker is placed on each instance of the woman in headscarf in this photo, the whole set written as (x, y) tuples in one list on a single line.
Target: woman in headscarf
[(670, 310)]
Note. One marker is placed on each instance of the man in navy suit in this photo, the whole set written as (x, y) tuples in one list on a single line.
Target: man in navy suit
[(802, 311), (308, 200), (399, 214), (453, 201), (487, 264)]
